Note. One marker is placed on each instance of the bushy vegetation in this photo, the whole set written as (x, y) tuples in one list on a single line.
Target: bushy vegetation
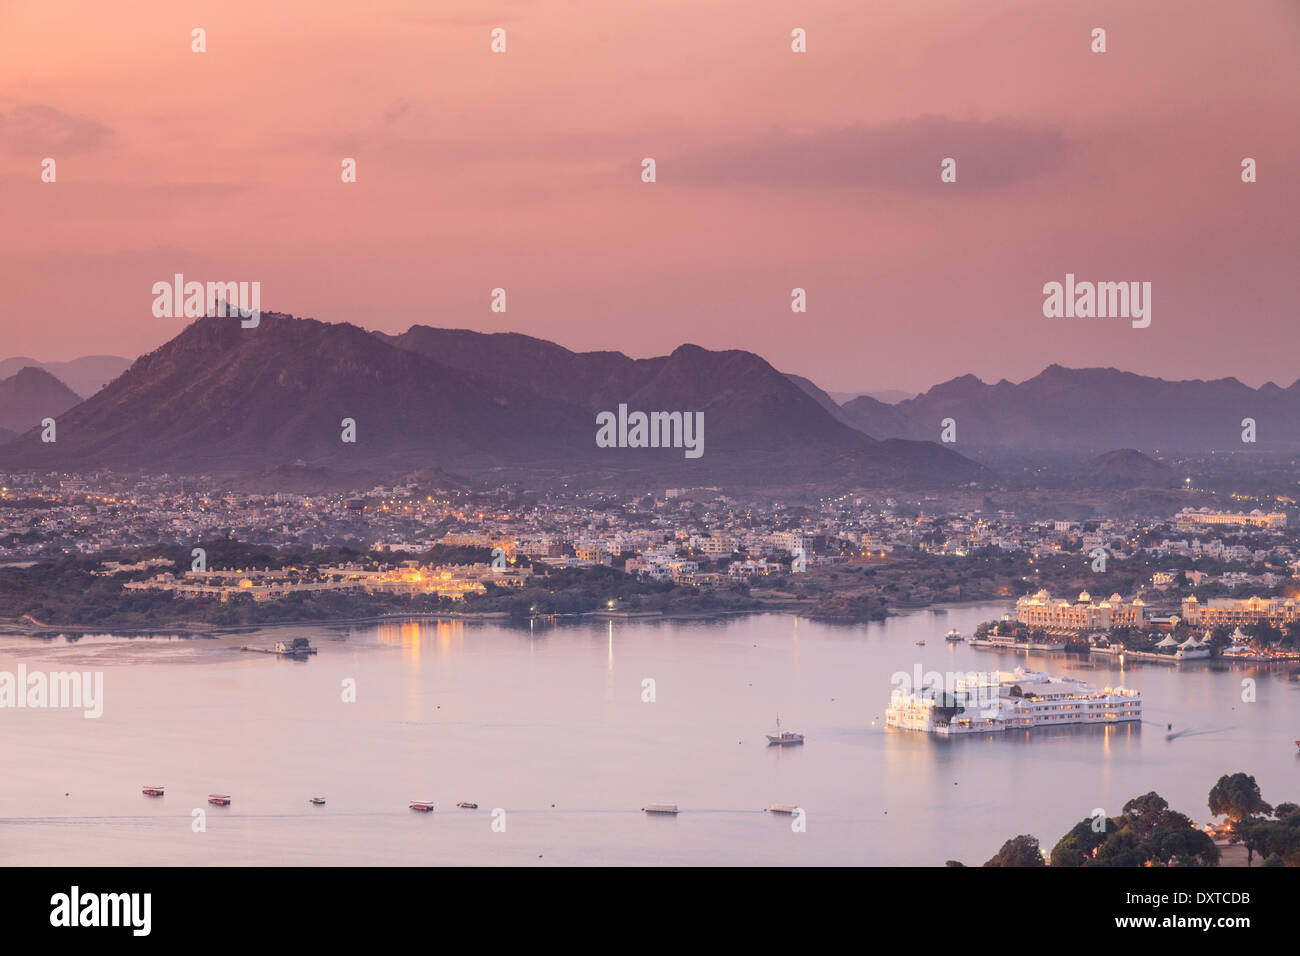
[(1147, 832)]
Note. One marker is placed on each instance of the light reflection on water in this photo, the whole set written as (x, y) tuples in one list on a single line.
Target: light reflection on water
[(547, 722)]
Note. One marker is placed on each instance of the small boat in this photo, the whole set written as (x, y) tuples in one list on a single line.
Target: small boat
[(954, 635), (424, 806), (1297, 745), (219, 799), (782, 808), (783, 737), (466, 805), (152, 791), (920, 643), (659, 808), (318, 801)]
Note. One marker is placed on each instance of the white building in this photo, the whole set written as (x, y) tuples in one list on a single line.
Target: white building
[(1008, 701)]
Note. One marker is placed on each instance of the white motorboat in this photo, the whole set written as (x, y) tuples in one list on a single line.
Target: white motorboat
[(784, 738)]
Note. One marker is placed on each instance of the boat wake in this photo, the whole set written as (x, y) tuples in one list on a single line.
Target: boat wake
[(1196, 732)]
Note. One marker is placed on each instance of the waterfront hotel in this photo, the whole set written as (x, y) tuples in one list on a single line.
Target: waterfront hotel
[(1187, 518), (1039, 610), (1014, 700), (1227, 612)]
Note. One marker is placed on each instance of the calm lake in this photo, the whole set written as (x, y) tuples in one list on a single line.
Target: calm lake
[(550, 725)]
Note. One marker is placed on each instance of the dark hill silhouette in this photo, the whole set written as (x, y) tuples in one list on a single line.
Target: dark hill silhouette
[(30, 395), (1091, 410), (757, 418), (222, 399), (1124, 467)]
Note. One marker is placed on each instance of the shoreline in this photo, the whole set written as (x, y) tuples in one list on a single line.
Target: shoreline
[(202, 629), (1114, 656)]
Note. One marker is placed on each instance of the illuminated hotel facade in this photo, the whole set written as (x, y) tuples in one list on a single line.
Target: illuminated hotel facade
[(1039, 610), (1257, 519), (450, 581), (1010, 701), (1227, 612)]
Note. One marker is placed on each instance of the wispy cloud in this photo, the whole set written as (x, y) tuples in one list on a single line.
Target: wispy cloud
[(903, 154), (39, 128)]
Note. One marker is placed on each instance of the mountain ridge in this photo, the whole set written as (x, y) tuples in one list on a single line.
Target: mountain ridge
[(1090, 410), (223, 399), (85, 375), (31, 395)]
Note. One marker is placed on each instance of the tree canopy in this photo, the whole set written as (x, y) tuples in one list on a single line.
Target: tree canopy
[(1021, 850), (1237, 796), (1146, 832)]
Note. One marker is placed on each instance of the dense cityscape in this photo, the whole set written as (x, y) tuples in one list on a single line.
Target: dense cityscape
[(667, 551), (586, 436)]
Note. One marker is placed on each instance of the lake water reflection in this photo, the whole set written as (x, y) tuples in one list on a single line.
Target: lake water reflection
[(549, 724)]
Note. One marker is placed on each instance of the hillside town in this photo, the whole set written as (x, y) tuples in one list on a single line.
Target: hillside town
[(42, 516), (851, 557)]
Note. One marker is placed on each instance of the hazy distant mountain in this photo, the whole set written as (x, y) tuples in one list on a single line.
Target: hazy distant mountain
[(85, 375), (30, 395), (1125, 467), (1091, 410), (887, 395), (224, 399), (761, 426), (876, 418), (821, 398), (691, 377), (506, 406)]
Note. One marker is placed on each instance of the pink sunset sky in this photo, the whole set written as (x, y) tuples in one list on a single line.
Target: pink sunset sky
[(775, 170)]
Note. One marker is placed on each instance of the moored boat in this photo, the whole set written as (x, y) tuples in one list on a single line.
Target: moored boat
[(318, 801), (782, 808), (954, 635), (669, 808), (424, 806), (466, 805), (152, 791), (219, 799)]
